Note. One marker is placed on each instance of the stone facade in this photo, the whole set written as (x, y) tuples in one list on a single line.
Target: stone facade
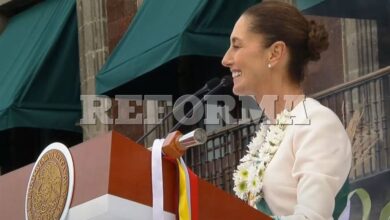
[(93, 47), (101, 24)]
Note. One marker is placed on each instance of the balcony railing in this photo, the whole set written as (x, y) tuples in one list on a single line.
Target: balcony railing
[(369, 95), (216, 160)]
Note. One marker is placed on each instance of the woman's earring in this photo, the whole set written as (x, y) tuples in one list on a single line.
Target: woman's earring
[(269, 65)]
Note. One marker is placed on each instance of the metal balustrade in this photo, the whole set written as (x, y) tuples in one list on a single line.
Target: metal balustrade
[(216, 160), (369, 94)]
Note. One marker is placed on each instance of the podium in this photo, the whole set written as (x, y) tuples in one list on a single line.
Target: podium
[(113, 181)]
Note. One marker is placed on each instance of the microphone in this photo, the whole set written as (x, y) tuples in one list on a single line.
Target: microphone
[(176, 144), (193, 138), (209, 85), (226, 81)]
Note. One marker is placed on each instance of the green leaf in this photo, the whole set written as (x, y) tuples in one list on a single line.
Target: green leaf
[(365, 200), (385, 213)]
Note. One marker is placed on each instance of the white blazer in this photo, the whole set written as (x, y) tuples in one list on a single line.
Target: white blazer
[(311, 165)]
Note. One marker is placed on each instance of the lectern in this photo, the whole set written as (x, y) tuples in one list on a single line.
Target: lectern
[(113, 181)]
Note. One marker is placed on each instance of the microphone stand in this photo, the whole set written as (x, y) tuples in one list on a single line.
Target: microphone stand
[(226, 81), (206, 87)]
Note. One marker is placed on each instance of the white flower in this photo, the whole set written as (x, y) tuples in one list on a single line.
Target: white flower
[(248, 178), (254, 184), (261, 166), (267, 158), (241, 189), (273, 149), (243, 174), (284, 118), (247, 157), (252, 171), (256, 141), (275, 135)]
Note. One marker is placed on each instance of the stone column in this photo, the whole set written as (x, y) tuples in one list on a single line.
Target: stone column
[(93, 47)]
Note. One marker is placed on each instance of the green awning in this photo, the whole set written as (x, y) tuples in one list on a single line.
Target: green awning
[(164, 30), (39, 68)]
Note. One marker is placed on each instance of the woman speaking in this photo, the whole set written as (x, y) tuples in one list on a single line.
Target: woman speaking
[(297, 164)]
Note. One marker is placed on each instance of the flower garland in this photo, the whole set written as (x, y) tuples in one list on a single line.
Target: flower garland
[(248, 178)]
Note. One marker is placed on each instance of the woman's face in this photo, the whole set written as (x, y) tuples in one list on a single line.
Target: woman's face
[(247, 59)]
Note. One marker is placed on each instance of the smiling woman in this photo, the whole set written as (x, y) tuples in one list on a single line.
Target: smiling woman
[(294, 169), (275, 38)]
